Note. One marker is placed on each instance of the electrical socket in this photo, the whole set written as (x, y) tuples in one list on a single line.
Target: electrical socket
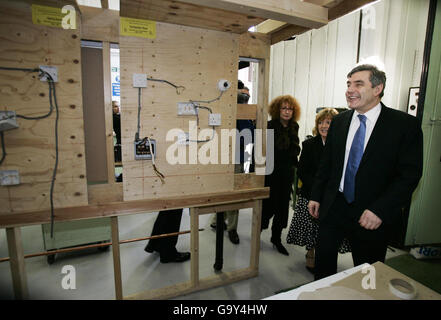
[(186, 109), (8, 120), (139, 80), (9, 177), (52, 70), (214, 119)]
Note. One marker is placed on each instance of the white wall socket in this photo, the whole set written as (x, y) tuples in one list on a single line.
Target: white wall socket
[(52, 70), (214, 119), (9, 177), (186, 109), (139, 80)]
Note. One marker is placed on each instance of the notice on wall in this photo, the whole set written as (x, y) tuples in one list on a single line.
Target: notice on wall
[(137, 28), (54, 17)]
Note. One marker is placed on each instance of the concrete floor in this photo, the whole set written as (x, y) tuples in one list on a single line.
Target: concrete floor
[(142, 271)]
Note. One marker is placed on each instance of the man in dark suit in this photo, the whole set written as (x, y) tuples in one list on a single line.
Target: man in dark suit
[(371, 164)]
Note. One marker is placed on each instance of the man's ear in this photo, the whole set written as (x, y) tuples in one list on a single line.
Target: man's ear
[(378, 89)]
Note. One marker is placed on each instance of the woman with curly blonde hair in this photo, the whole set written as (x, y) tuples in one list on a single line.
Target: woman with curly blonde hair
[(285, 112)]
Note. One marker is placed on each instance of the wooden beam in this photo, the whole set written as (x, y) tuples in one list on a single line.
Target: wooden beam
[(255, 45), (108, 113), (105, 4), (131, 207), (225, 207), (322, 3), (17, 263), (347, 6), (243, 181), (255, 235), (194, 238), (270, 26), (340, 9), (221, 279), (116, 259), (287, 32), (188, 14), (246, 112), (99, 24), (293, 12)]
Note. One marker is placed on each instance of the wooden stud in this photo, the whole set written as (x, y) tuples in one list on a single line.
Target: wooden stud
[(246, 112), (108, 113), (194, 218), (255, 235), (221, 279), (116, 259), (225, 207), (17, 263)]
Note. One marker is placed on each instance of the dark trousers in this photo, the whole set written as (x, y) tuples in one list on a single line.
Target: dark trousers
[(368, 246), (277, 205), (167, 221)]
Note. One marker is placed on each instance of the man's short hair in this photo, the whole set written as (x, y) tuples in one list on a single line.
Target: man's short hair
[(377, 76)]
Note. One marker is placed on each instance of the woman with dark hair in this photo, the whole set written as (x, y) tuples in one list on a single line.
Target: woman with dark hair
[(303, 230), (284, 112)]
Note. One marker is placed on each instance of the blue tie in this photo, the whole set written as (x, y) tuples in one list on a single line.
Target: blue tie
[(354, 159)]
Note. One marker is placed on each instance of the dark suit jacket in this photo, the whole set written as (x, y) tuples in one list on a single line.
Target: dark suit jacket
[(309, 162), (389, 171)]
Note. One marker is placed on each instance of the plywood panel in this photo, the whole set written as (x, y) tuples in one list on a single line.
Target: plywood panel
[(196, 59), (31, 147)]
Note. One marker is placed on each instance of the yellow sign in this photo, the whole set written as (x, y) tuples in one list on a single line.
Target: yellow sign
[(137, 28), (54, 17)]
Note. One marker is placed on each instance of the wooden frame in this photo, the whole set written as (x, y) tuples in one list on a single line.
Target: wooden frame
[(199, 205)]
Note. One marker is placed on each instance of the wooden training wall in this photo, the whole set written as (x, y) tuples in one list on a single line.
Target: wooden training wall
[(31, 148), (196, 59)]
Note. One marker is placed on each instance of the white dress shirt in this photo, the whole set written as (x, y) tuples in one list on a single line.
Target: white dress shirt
[(371, 119)]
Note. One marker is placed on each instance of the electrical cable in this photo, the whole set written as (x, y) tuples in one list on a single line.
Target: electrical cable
[(52, 95), (139, 113), (168, 82), (147, 139), (158, 173), (3, 147), (197, 122)]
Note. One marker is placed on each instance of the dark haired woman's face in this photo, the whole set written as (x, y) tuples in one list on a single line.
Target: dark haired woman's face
[(286, 112)]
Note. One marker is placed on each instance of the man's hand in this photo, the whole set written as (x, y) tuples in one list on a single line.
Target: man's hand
[(313, 208), (369, 220)]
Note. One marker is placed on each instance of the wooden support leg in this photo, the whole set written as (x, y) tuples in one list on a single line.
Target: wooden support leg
[(255, 235), (194, 217), (116, 259), (17, 263)]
